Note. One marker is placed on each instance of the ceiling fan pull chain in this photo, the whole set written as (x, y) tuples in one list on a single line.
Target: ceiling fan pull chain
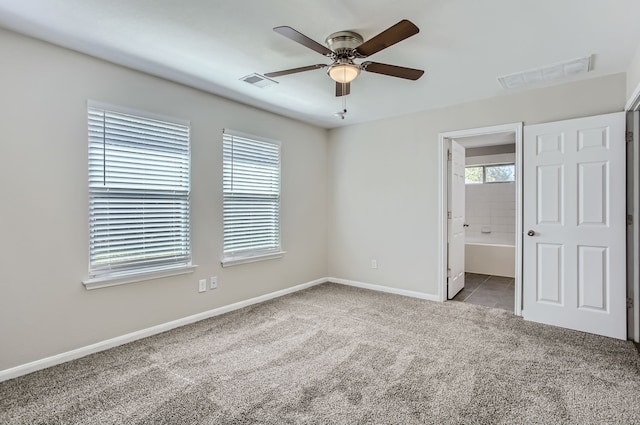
[(344, 107)]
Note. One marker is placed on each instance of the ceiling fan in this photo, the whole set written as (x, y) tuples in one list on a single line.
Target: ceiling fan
[(345, 46)]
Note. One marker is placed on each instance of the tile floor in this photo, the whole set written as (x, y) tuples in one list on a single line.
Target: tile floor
[(490, 291)]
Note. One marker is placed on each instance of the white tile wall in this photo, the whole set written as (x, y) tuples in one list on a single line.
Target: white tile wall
[(492, 205)]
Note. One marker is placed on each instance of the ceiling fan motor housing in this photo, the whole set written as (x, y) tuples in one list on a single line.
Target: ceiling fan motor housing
[(343, 43)]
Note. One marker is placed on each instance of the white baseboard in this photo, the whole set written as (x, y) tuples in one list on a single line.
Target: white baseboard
[(405, 292), (57, 359), (24, 369)]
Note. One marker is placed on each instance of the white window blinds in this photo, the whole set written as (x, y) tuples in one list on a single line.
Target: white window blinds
[(251, 189), (138, 193)]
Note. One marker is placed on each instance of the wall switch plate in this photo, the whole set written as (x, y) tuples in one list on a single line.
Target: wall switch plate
[(202, 285), (374, 264), (213, 282)]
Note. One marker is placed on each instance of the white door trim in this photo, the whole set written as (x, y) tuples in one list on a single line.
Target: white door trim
[(633, 232), (633, 105), (443, 202)]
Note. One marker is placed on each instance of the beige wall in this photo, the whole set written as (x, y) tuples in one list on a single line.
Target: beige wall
[(44, 308), (633, 73), (383, 179)]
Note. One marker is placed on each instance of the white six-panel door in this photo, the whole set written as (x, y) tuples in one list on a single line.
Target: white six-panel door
[(574, 256), (456, 221)]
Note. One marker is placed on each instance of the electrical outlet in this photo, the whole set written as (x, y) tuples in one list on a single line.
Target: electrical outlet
[(374, 264), (213, 282), (202, 285)]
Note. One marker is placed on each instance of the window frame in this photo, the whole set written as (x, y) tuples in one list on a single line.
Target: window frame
[(104, 277), (232, 258), (484, 172)]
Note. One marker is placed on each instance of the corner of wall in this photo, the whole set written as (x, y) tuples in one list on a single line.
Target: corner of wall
[(633, 74)]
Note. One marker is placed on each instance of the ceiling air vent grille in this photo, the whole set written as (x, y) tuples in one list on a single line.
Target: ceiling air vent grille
[(545, 74), (258, 80)]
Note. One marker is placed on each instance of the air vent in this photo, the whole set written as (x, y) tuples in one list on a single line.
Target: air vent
[(258, 80), (544, 74)]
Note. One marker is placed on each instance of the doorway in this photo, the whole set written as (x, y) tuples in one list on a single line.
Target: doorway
[(571, 264), (493, 149)]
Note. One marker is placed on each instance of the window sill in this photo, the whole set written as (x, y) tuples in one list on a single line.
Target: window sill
[(105, 282), (236, 261)]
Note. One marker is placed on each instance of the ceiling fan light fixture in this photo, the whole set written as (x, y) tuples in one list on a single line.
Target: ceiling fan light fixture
[(344, 72)]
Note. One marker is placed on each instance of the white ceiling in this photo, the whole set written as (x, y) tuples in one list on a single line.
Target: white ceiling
[(463, 45)]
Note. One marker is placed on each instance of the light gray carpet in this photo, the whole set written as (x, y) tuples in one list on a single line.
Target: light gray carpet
[(336, 354)]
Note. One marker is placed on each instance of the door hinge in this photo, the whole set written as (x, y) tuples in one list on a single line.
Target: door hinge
[(629, 220), (449, 155), (629, 136), (448, 274), (629, 302), (448, 214)]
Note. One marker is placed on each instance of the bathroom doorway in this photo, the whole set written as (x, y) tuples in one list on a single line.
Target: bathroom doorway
[(490, 221), (491, 205)]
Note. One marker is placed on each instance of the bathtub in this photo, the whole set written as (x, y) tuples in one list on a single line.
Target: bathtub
[(492, 254)]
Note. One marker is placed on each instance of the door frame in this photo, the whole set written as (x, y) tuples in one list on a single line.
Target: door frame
[(632, 108), (443, 182)]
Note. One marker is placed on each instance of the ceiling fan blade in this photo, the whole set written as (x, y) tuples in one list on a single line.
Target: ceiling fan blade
[(389, 37), (294, 35), (392, 70), (343, 89), (295, 70)]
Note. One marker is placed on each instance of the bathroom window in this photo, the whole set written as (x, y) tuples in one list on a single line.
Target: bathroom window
[(499, 173), (474, 175)]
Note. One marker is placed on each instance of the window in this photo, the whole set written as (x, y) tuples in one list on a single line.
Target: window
[(139, 180), (474, 175), (251, 192), (499, 173), (489, 174)]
